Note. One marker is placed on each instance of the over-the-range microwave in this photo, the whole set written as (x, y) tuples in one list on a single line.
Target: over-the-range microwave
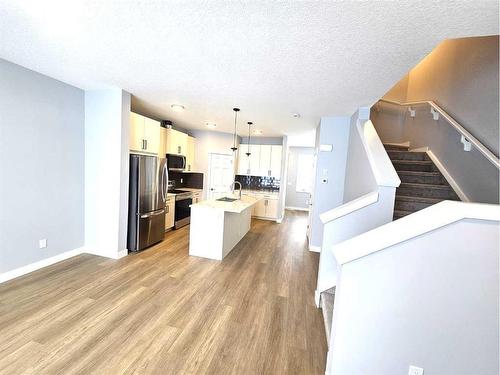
[(176, 162)]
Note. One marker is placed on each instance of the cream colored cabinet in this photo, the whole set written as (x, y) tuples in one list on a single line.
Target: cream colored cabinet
[(176, 142), (243, 162), (267, 207), (265, 160), (275, 163), (144, 134), (197, 197), (190, 155), (254, 160), (170, 213)]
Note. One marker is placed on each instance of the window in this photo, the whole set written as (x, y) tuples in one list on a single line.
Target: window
[(305, 173)]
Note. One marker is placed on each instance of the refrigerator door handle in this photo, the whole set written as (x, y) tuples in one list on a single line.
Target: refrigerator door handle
[(163, 195), (156, 213)]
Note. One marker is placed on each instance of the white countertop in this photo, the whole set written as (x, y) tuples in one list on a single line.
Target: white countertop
[(237, 206)]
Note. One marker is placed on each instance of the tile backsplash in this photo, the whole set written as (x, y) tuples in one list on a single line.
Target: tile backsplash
[(258, 182)]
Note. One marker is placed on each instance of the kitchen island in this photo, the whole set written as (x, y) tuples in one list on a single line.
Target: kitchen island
[(217, 226)]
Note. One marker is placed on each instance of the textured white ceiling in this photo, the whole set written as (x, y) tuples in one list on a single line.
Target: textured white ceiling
[(317, 58)]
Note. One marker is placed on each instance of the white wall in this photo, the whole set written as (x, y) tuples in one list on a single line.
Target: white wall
[(431, 301), (333, 131), (294, 198), (41, 167), (210, 142), (107, 114)]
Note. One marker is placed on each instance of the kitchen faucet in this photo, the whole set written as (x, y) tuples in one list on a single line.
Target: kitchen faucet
[(233, 185)]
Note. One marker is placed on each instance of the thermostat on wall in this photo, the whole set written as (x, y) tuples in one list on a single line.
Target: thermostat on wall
[(327, 148)]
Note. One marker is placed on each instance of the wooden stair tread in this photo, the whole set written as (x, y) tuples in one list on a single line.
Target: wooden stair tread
[(424, 186), (327, 301)]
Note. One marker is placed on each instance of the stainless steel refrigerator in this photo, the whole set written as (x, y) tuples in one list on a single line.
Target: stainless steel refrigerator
[(147, 199)]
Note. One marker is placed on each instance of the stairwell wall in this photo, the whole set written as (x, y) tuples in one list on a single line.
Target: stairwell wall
[(461, 76)]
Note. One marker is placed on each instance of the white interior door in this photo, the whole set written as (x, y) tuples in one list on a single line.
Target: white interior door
[(221, 175), (311, 199)]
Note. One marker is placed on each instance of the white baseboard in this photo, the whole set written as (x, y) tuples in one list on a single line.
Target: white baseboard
[(296, 208), (105, 254), (316, 249), (9, 275), (279, 221), (448, 177)]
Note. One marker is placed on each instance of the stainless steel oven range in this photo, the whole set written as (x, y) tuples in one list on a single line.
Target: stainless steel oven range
[(183, 201)]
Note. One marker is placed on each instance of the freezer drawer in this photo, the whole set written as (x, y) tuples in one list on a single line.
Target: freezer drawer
[(150, 229)]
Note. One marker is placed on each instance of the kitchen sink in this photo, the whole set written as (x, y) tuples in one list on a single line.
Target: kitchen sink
[(227, 199)]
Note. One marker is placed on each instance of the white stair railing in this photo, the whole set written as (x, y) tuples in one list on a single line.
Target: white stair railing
[(367, 210)]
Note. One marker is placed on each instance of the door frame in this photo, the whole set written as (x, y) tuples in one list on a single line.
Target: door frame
[(209, 174)]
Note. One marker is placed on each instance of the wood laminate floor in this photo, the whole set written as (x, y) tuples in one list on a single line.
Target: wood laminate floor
[(163, 312)]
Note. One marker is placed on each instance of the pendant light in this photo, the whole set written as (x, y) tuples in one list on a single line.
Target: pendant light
[(248, 147), (236, 110)]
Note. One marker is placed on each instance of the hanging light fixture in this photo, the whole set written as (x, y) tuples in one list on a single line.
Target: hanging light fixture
[(248, 146), (236, 110)]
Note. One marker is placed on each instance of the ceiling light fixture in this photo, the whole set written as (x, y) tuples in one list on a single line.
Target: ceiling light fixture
[(211, 124), (177, 107), (296, 115), (236, 110), (248, 146)]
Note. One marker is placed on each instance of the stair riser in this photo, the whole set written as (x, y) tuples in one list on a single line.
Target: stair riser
[(414, 167), (407, 155), (410, 206), (433, 180), (426, 192), (396, 216), (395, 148)]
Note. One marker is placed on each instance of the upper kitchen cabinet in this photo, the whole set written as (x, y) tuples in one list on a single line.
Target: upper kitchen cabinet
[(265, 160), (191, 147), (249, 165), (144, 134), (275, 163), (176, 143)]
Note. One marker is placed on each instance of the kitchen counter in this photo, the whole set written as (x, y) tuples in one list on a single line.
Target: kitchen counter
[(237, 206), (217, 226)]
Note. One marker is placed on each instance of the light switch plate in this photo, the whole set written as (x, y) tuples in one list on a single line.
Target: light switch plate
[(414, 370), (42, 244)]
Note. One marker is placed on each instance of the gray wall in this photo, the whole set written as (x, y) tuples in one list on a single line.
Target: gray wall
[(461, 75), (262, 140), (42, 166), (431, 301), (294, 198), (333, 131)]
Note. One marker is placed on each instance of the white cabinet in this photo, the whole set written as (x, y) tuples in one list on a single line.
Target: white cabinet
[(170, 213), (275, 163), (266, 207), (197, 197), (191, 147), (264, 160), (144, 134), (176, 142)]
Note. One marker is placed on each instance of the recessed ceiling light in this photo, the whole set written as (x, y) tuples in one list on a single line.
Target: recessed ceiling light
[(296, 115), (177, 107), (257, 132), (211, 125)]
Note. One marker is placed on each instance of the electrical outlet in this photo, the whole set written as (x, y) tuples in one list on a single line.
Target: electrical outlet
[(42, 244), (414, 370), (182, 180)]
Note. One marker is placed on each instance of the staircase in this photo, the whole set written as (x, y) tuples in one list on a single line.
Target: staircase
[(327, 300), (422, 185)]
